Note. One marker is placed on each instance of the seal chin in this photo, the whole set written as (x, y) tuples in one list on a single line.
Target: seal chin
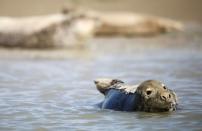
[(171, 107), (166, 109)]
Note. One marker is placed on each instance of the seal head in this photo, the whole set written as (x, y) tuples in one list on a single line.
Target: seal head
[(156, 97)]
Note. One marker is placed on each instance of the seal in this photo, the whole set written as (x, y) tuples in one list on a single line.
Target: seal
[(149, 96)]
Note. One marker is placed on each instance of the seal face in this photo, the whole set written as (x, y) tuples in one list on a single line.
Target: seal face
[(149, 96), (156, 97)]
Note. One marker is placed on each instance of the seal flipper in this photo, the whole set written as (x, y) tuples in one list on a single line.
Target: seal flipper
[(104, 84)]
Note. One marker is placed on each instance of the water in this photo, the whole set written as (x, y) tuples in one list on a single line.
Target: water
[(39, 92)]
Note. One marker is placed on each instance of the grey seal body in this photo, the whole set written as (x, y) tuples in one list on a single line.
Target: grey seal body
[(149, 96)]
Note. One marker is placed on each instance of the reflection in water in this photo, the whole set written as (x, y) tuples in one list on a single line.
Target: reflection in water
[(59, 94)]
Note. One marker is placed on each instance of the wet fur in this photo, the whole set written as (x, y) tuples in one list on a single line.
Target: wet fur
[(123, 97)]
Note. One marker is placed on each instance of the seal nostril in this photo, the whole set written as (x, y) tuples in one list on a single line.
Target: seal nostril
[(96, 82), (169, 96), (164, 87), (163, 97)]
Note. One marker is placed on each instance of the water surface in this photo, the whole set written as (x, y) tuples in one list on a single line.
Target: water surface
[(57, 93)]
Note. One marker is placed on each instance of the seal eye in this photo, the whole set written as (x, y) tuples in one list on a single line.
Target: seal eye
[(149, 92)]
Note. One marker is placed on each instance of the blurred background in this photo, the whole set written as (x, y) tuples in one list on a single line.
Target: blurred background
[(186, 10), (52, 89)]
